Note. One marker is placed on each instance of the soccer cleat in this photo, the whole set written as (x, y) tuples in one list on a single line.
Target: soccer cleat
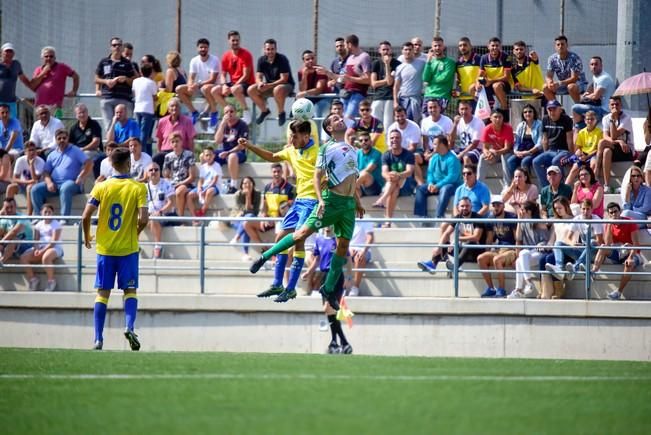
[(98, 345), (286, 296), (257, 264), (569, 267), (260, 119), (272, 291), (347, 349), (489, 293), (556, 271), (331, 298), (333, 348), (132, 338), (428, 266)]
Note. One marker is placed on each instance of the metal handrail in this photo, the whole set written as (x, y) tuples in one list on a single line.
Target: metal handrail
[(456, 244)]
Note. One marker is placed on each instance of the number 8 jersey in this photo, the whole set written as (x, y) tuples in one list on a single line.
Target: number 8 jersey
[(118, 199), (338, 160)]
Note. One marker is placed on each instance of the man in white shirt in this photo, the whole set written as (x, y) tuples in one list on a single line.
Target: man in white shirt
[(161, 198), (140, 160), (28, 171), (360, 255), (44, 130), (434, 125), (465, 135), (411, 139), (202, 76)]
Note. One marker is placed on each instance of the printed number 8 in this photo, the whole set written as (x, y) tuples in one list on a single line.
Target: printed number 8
[(115, 220)]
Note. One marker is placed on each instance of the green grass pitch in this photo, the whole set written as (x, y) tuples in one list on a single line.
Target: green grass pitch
[(84, 392)]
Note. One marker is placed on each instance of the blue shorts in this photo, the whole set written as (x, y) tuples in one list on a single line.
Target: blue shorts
[(372, 190), (125, 267), (215, 188), (241, 157), (298, 213), (407, 189)]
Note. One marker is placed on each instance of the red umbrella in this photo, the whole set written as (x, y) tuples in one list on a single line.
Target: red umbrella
[(636, 85)]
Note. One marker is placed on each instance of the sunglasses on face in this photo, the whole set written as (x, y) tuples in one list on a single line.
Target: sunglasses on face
[(467, 173)]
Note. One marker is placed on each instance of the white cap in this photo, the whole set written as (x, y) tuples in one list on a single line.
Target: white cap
[(8, 46)]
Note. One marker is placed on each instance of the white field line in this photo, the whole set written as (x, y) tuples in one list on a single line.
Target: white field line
[(324, 377)]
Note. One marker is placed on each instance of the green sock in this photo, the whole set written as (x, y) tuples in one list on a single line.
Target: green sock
[(280, 246), (336, 264)]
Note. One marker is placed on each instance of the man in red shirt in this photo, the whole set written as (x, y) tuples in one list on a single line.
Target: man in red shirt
[(497, 142), (621, 237), (237, 74), (49, 81)]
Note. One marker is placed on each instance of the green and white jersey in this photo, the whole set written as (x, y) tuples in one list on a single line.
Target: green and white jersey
[(338, 160)]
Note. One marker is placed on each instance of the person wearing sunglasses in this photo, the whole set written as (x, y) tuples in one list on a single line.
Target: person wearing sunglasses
[(636, 196)]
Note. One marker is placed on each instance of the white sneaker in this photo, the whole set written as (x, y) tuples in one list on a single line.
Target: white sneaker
[(246, 258), (569, 267), (51, 286), (556, 271), (515, 294), (246, 116), (33, 284), (530, 291), (234, 240), (354, 291), (615, 295)]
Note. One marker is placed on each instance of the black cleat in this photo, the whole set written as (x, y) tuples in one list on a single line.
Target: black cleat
[(98, 345), (257, 265), (333, 348), (331, 298), (347, 349), (286, 296), (271, 291), (132, 338)]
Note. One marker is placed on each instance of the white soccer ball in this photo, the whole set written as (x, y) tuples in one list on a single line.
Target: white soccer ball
[(302, 109)]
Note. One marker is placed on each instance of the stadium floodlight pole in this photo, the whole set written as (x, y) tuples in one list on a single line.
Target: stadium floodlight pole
[(79, 254), (455, 269), (588, 275), (202, 257)]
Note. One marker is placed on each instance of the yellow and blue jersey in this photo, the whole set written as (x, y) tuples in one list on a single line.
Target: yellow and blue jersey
[(118, 199), (303, 161)]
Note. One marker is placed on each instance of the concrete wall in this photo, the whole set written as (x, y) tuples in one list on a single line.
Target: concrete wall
[(388, 326)]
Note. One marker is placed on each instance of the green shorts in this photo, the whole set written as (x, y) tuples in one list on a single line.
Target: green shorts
[(339, 212)]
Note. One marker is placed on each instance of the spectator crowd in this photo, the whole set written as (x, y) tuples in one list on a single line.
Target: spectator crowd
[(424, 125)]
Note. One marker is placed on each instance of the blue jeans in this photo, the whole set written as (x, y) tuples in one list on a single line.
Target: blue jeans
[(578, 254), (544, 160), (241, 233), (513, 163), (146, 123), (351, 105), (445, 193), (65, 191)]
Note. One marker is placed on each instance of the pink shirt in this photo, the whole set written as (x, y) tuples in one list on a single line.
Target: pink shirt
[(582, 194), (183, 125), (53, 87)]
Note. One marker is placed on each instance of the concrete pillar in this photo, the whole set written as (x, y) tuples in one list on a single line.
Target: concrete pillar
[(633, 46)]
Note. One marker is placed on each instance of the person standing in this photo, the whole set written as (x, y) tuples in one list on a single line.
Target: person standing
[(122, 204)]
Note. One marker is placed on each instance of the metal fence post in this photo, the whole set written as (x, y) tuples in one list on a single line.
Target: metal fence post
[(455, 270), (588, 275), (79, 253), (202, 257)]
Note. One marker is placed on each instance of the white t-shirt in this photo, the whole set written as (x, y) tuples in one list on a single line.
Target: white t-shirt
[(208, 172), (144, 90), (204, 69), (138, 167), (21, 168), (44, 136), (582, 229), (106, 168), (431, 128), (46, 231), (157, 194), (468, 133), (411, 133), (359, 234), (625, 122)]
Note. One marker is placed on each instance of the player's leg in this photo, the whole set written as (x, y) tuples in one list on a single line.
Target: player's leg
[(104, 281), (335, 324), (304, 210), (128, 282)]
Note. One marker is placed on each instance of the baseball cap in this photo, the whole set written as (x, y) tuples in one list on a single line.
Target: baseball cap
[(554, 168), (553, 103), (8, 46), (496, 199)]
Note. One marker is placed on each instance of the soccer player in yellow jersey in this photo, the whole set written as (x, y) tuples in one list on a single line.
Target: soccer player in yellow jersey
[(302, 157), (122, 204)]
